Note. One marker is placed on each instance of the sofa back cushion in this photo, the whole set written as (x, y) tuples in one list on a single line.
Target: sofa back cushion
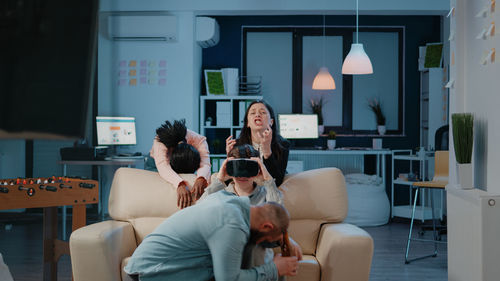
[(318, 194), (137, 193)]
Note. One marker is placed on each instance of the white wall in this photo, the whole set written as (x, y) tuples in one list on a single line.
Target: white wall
[(151, 104), (472, 254), (476, 91)]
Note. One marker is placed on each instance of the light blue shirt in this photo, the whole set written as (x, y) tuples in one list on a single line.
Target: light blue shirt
[(200, 242)]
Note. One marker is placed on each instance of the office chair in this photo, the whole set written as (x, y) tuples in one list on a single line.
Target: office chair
[(439, 181), (441, 138)]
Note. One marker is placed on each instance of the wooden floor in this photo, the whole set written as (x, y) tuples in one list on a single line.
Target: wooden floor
[(21, 247)]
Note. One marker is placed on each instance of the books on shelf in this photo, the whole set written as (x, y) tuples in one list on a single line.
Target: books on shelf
[(223, 113)]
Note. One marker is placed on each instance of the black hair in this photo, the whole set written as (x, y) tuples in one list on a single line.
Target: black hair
[(184, 158), (243, 151), (245, 137)]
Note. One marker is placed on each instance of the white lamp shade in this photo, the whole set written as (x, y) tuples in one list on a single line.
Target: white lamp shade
[(323, 80), (357, 61)]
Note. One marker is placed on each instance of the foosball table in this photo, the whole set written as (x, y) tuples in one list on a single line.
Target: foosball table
[(50, 193)]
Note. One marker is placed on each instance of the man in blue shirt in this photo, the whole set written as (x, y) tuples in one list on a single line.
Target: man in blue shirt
[(207, 240)]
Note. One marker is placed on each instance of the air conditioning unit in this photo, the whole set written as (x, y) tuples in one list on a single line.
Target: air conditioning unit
[(207, 32), (143, 27)]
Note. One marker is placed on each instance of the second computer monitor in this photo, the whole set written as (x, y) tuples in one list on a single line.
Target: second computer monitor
[(298, 126), (115, 130)]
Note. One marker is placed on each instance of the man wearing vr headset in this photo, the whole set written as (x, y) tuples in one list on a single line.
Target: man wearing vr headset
[(250, 177)]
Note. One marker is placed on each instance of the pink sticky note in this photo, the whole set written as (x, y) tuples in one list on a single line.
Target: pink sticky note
[(162, 81), (143, 80), (122, 82), (122, 73), (143, 71), (162, 72), (144, 63), (163, 63), (123, 63)]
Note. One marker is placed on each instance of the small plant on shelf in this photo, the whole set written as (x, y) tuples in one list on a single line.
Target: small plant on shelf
[(332, 135), (377, 110), (463, 136), (331, 142), (317, 108)]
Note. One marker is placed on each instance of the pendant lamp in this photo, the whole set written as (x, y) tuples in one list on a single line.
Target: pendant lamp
[(357, 61), (323, 80)]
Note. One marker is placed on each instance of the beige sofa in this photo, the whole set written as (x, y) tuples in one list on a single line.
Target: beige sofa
[(140, 200)]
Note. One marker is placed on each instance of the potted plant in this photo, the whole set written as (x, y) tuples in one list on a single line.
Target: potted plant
[(331, 142), (379, 115), (462, 125), (317, 108)]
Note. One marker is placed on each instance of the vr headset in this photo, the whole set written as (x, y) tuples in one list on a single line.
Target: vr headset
[(242, 168)]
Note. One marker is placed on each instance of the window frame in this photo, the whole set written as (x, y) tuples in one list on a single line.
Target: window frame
[(298, 32)]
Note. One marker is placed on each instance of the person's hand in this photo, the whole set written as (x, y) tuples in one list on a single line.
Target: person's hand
[(199, 187), (296, 250), (183, 195), (222, 174), (265, 142), (263, 173), (230, 144), (286, 265)]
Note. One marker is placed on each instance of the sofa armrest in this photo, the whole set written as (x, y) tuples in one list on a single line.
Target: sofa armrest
[(344, 252), (97, 250)]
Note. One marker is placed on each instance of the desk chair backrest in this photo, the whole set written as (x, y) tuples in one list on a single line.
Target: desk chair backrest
[(441, 165), (441, 138)]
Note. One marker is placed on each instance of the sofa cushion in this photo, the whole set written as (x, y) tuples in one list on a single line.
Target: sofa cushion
[(128, 198), (144, 226), (318, 194), (125, 276), (309, 269), (305, 232)]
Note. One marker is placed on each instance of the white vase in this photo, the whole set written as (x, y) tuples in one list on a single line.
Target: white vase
[(321, 129), (331, 144), (464, 172), (381, 129)]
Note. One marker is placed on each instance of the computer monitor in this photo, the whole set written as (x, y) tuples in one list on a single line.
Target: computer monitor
[(298, 126), (115, 130)]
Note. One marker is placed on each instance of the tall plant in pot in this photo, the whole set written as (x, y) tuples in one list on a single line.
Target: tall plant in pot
[(463, 136), (379, 115), (317, 108), (331, 142)]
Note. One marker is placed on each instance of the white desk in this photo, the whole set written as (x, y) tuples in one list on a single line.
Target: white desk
[(314, 155), (122, 162)]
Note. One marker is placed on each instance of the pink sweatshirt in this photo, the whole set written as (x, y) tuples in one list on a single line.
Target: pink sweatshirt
[(159, 153)]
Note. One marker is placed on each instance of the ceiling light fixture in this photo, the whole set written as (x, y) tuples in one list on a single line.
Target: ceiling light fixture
[(357, 61), (323, 80)]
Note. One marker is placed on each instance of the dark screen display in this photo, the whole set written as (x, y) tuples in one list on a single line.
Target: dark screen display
[(48, 52)]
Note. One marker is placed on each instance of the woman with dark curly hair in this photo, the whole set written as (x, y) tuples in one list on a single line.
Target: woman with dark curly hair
[(259, 130), (179, 150)]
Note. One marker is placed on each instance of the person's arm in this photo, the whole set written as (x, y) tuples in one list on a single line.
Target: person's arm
[(226, 248), (200, 143), (277, 166), (215, 186), (159, 154), (273, 194)]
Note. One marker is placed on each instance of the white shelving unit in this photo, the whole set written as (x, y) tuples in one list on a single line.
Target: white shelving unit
[(425, 162), (232, 123), (433, 104)]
